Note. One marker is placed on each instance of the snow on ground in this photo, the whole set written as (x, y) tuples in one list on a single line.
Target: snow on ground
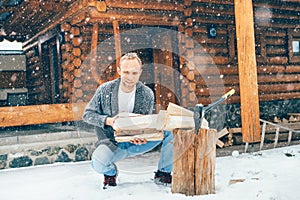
[(267, 175)]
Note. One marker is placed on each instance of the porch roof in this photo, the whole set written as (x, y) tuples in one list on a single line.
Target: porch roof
[(22, 19)]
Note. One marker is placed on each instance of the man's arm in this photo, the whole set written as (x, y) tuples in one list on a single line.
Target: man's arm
[(93, 113)]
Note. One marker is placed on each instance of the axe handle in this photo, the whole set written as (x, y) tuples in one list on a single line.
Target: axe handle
[(220, 100), (200, 111)]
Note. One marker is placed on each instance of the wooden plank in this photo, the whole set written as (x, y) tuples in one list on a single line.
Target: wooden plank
[(155, 136), (220, 143), (276, 137), (247, 70), (263, 132), (40, 114), (290, 137), (145, 5), (223, 132), (174, 109)]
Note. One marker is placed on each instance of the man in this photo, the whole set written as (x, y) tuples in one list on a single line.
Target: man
[(125, 94)]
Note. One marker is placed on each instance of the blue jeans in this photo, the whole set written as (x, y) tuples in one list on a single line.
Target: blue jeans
[(103, 158)]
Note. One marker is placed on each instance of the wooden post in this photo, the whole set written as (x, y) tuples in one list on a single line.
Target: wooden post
[(117, 37), (247, 70), (93, 58), (194, 162)]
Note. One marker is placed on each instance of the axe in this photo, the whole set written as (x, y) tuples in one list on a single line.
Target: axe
[(200, 110)]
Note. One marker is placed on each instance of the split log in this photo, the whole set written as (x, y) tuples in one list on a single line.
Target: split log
[(148, 134), (194, 162)]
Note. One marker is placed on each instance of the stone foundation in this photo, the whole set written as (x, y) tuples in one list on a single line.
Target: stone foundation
[(41, 149)]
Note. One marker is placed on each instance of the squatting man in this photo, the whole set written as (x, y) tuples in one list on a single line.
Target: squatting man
[(125, 94)]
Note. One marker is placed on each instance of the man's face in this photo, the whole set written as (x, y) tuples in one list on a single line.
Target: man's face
[(130, 72)]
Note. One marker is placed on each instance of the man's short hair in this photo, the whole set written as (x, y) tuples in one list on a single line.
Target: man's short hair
[(130, 56)]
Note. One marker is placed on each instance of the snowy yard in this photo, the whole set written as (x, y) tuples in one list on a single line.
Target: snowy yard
[(268, 175)]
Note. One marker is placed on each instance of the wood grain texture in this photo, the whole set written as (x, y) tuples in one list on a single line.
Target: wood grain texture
[(194, 162), (247, 70), (40, 114)]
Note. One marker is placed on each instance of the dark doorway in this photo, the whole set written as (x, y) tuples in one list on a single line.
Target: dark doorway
[(50, 68)]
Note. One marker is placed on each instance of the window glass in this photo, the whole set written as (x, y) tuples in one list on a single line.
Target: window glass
[(296, 44)]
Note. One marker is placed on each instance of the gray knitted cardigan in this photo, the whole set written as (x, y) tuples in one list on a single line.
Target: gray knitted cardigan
[(105, 104)]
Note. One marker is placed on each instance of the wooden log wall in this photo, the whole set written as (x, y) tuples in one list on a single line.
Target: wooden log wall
[(186, 46), (275, 26), (83, 71), (278, 74), (72, 57)]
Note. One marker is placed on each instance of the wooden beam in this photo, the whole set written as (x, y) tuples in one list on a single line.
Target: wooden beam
[(40, 114), (247, 70), (117, 38), (145, 5), (133, 17), (93, 57)]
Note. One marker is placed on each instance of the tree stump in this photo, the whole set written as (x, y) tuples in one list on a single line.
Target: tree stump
[(194, 162)]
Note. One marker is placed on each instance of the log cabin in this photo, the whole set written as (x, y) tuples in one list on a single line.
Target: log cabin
[(189, 49)]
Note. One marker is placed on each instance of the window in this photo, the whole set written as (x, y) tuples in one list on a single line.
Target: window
[(294, 45)]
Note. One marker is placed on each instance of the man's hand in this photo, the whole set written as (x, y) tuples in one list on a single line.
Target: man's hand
[(111, 120), (138, 141)]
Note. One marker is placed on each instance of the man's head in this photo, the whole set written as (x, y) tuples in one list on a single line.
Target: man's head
[(130, 70)]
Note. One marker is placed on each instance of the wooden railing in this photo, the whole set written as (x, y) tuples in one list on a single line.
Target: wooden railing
[(40, 114), (277, 127)]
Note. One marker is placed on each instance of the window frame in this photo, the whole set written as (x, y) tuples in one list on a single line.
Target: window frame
[(293, 35)]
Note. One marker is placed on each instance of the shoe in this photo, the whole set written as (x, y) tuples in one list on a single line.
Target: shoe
[(162, 178), (110, 180)]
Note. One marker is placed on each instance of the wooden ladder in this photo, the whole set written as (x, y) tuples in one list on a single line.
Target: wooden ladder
[(277, 131)]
